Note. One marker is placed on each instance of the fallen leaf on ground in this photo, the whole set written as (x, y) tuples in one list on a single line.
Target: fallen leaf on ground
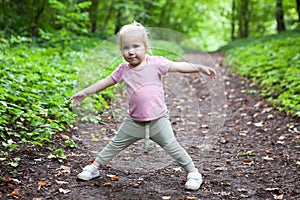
[(191, 198), (113, 177), (219, 169), (243, 133), (136, 185), (260, 124), (107, 184), (278, 196), (8, 180), (11, 186), (204, 126), (95, 140), (13, 194), (248, 162), (64, 191), (267, 158), (42, 183), (61, 182), (296, 130), (166, 197), (298, 162), (176, 169), (282, 137), (64, 137), (270, 116), (269, 151), (51, 156), (272, 189), (225, 193)]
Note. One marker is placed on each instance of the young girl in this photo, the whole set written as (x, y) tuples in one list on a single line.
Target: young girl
[(147, 115)]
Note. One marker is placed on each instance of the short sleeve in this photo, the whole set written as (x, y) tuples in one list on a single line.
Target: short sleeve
[(163, 65), (118, 73)]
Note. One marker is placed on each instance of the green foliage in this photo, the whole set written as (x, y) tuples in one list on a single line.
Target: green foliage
[(70, 143), (36, 84), (248, 153), (273, 62), (59, 154), (71, 17)]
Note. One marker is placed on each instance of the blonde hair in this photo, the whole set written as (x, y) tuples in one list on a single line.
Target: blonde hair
[(135, 27)]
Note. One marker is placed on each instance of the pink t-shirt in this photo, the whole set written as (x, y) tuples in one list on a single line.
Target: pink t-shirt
[(145, 95)]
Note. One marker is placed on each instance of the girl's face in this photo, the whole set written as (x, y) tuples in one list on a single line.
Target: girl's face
[(133, 49)]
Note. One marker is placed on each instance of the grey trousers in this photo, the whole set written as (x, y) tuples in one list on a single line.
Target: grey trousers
[(161, 132)]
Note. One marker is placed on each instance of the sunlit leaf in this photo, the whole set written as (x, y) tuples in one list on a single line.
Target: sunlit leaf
[(42, 183), (61, 182), (113, 177), (107, 184), (267, 158), (64, 191)]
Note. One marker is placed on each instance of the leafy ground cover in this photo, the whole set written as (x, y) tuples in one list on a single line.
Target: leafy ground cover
[(36, 83), (273, 62)]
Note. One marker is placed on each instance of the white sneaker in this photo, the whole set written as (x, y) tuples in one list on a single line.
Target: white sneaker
[(194, 180), (89, 172)]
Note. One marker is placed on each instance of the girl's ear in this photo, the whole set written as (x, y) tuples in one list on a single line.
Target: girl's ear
[(149, 51)]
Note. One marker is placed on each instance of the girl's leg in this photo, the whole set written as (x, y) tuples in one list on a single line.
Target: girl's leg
[(120, 141), (117, 144), (167, 141)]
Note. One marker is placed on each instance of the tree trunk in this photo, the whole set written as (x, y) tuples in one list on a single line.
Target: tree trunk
[(93, 14), (35, 23), (118, 23), (110, 9), (243, 18), (280, 16), (147, 7), (233, 20), (298, 9)]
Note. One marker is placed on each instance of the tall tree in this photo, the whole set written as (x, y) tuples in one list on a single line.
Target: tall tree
[(243, 18), (233, 20), (35, 23), (93, 14), (298, 9), (280, 16)]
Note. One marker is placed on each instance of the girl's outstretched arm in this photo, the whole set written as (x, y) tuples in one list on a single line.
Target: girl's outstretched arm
[(185, 67), (77, 98)]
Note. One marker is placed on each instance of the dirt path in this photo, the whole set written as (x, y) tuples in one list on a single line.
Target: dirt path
[(249, 153)]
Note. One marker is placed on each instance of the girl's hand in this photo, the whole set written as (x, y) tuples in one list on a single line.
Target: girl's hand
[(209, 72), (78, 98)]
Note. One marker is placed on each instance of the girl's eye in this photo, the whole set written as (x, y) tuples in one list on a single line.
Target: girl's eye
[(125, 48), (136, 46)]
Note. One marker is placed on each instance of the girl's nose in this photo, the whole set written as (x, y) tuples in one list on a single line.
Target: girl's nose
[(131, 51)]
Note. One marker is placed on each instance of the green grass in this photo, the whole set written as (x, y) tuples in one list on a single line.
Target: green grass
[(273, 63)]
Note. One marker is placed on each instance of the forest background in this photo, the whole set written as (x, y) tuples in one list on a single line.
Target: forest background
[(43, 43)]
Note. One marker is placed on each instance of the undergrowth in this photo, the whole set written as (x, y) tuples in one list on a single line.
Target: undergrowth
[(273, 63)]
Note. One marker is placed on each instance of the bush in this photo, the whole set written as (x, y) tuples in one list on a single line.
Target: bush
[(273, 62)]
